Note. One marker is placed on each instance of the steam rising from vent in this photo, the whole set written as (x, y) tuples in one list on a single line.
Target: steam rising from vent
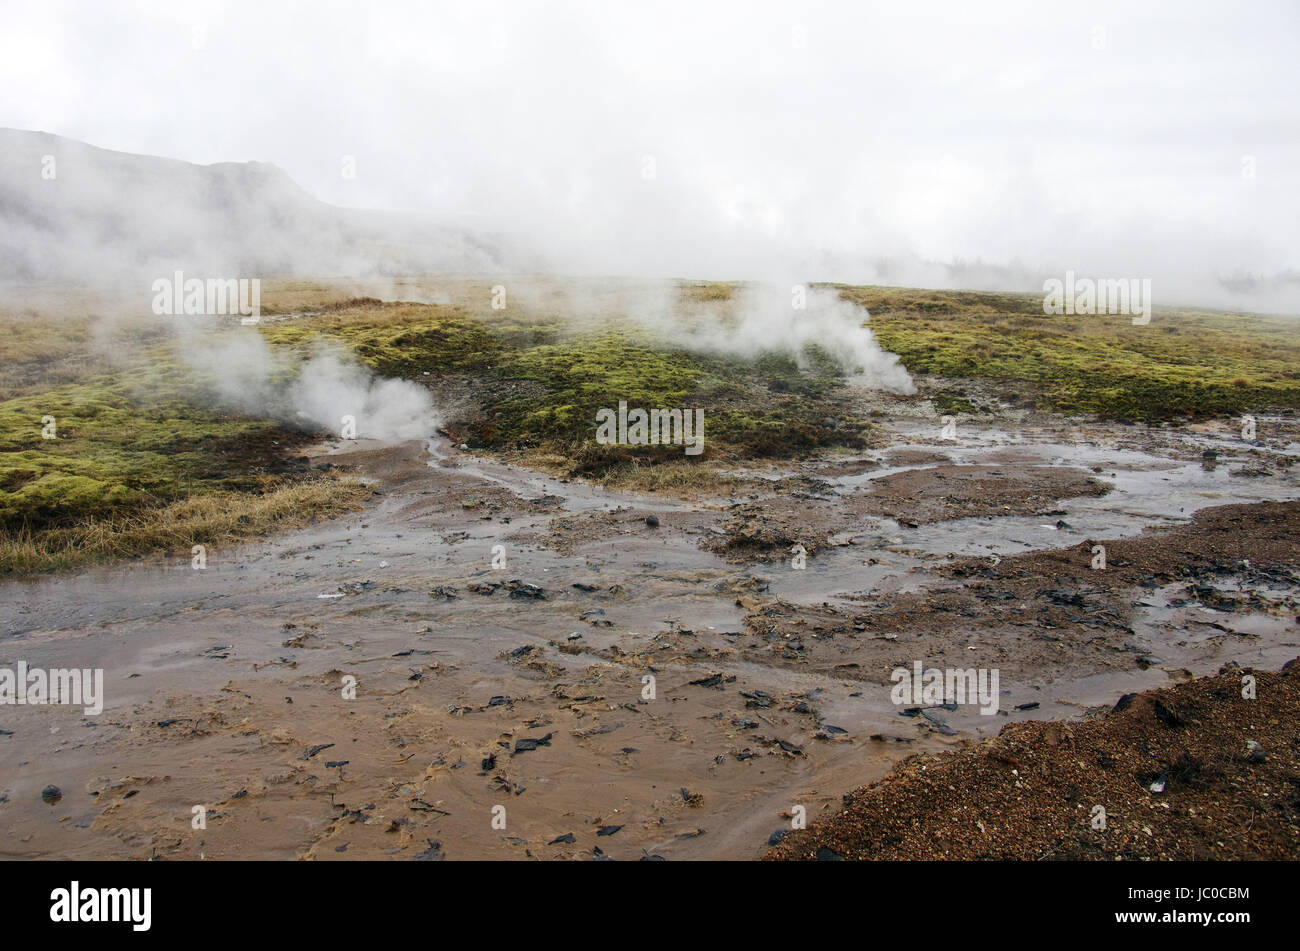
[(332, 385), (763, 319), (749, 320), (318, 391)]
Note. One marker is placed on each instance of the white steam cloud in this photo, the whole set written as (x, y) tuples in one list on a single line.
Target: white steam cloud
[(318, 391), (765, 319), (751, 320)]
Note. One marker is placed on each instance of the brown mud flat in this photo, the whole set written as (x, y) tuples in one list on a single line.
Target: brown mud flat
[(1256, 539), (810, 518), (524, 685), (1044, 613), (945, 492), (1195, 771)]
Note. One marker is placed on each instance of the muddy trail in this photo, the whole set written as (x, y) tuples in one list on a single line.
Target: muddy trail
[(492, 663)]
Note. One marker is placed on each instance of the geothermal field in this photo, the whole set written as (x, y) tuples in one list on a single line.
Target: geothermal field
[(505, 433), (363, 583)]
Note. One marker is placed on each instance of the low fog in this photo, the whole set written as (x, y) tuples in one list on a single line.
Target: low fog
[(933, 144)]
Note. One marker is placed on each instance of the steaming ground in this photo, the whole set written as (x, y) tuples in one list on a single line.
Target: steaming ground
[(326, 389), (326, 386), (500, 620), (787, 319), (744, 320)]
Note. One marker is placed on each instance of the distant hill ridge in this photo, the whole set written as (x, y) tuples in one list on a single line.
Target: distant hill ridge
[(70, 211)]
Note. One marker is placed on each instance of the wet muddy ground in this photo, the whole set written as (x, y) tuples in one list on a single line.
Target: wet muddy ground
[(624, 689)]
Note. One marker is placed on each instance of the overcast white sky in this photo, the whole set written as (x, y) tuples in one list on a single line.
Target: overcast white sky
[(806, 140)]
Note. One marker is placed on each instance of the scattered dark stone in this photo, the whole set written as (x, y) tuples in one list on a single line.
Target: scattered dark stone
[(938, 723), (331, 764), (1064, 596), (419, 805), (432, 854), (607, 830), (524, 745), (758, 700), (498, 701), (358, 815), (566, 839), (525, 591), (316, 749), (1027, 706), (165, 723), (714, 681), (652, 521), (586, 587), (1124, 703), (826, 855), (51, 794), (776, 837)]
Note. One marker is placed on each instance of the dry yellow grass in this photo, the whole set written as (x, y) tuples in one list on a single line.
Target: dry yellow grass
[(217, 519), (708, 291), (682, 478)]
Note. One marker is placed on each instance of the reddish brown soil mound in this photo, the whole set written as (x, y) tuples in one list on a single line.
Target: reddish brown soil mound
[(1193, 771)]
